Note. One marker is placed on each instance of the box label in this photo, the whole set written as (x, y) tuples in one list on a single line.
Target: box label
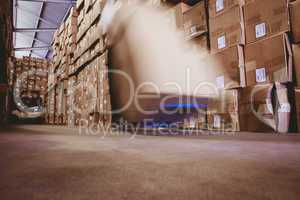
[(219, 5), (221, 42), (217, 121), (261, 75), (220, 82), (260, 30)]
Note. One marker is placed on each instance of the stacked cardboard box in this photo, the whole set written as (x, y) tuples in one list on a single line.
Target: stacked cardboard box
[(64, 46), (191, 21), (61, 103), (222, 112), (50, 106), (249, 40), (88, 82), (268, 51), (71, 101), (268, 56), (227, 39), (34, 80), (294, 8), (33, 74)]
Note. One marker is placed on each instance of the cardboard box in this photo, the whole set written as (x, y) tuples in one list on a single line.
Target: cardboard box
[(266, 108), (227, 29), (195, 21), (225, 122), (177, 14), (200, 44), (296, 58), (222, 111), (225, 101), (217, 7), (256, 110), (268, 61), (232, 70), (226, 69), (294, 8), (265, 18)]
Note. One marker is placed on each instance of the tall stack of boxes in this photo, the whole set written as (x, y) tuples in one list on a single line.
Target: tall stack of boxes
[(252, 41), (294, 8), (227, 39), (79, 80), (89, 83), (36, 79), (6, 42), (64, 45), (268, 56)]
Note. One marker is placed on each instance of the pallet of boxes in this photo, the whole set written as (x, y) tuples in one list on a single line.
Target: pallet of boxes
[(294, 8), (56, 91), (64, 45), (88, 88), (50, 95), (250, 60), (251, 38), (227, 39), (269, 66), (33, 75)]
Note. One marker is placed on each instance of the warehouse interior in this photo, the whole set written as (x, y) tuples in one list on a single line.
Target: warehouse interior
[(150, 99)]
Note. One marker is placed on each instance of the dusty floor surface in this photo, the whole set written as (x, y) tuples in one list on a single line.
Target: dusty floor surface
[(43, 162)]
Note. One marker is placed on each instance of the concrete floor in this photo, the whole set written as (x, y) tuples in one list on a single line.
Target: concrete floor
[(43, 162)]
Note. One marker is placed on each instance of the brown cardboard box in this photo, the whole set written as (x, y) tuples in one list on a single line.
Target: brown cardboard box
[(232, 69), (295, 20), (296, 58), (200, 43), (227, 68), (227, 29), (225, 101), (177, 14), (225, 122), (217, 7), (266, 108), (268, 61), (222, 111), (194, 20), (265, 18), (256, 111)]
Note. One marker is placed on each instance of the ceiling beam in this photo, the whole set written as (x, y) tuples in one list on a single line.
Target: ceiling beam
[(32, 48), (23, 30), (37, 26), (37, 40), (50, 1), (37, 16)]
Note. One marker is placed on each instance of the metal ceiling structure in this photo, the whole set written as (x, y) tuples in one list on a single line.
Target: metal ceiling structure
[(35, 22)]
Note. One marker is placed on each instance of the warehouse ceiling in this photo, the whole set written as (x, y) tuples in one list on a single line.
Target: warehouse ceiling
[(35, 22)]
